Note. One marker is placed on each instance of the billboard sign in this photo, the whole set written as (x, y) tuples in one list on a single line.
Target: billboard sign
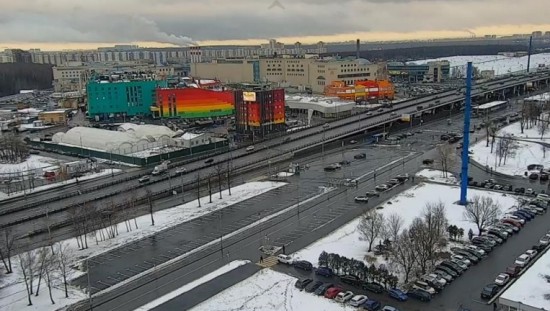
[(249, 96)]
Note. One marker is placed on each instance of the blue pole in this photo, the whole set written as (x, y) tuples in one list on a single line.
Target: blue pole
[(466, 142)]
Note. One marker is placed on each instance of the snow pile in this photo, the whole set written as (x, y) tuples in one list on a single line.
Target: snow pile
[(541, 98), (13, 294), (210, 276), (32, 163), (526, 153), (437, 176), (500, 64), (101, 173), (268, 290), (346, 241)]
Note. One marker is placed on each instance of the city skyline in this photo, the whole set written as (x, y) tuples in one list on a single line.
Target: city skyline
[(64, 24)]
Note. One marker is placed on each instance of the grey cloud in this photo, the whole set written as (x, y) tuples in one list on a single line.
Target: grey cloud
[(177, 21)]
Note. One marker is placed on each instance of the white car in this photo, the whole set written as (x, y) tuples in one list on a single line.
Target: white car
[(344, 296), (460, 263), (532, 253), (502, 279), (522, 260), (529, 191), (181, 170), (424, 286), (361, 199), (435, 278), (545, 240), (543, 197), (382, 187), (358, 300), (286, 259), (476, 249), (461, 258), (250, 148)]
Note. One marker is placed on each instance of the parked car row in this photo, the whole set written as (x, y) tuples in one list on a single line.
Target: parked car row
[(492, 184), (513, 222), (398, 180)]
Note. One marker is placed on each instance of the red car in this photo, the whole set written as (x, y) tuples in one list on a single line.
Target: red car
[(332, 292), (512, 222), (513, 271)]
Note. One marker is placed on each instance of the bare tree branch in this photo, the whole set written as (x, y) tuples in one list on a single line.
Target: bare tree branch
[(482, 211)]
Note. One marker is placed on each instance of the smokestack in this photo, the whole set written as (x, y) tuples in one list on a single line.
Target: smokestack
[(357, 49)]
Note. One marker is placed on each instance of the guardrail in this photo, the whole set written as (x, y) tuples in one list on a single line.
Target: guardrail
[(361, 127)]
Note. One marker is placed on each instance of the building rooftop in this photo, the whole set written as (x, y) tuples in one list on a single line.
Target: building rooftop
[(533, 287), (490, 105)]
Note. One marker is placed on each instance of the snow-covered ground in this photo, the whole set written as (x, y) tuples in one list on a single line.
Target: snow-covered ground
[(527, 153), (101, 173), (13, 283), (152, 152), (346, 241), (540, 97), (210, 276), (34, 162), (437, 176), (500, 64), (268, 290)]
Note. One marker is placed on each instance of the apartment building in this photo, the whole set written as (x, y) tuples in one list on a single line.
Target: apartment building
[(298, 72)]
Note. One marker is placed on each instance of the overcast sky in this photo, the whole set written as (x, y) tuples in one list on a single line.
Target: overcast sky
[(51, 24)]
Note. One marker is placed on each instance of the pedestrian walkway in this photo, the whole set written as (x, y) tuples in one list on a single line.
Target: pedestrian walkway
[(268, 262)]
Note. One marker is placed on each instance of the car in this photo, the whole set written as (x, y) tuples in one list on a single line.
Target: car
[(301, 284), (382, 187), (462, 264), (513, 271), (145, 178), (303, 265), (424, 286), (523, 215), (529, 191), (515, 218), (433, 281), (489, 291), (209, 161), (451, 265), (353, 142), (371, 194), (323, 288), (480, 252), (324, 271), (503, 235), (344, 296), (502, 279), (34, 152), (509, 227), (498, 187), (545, 240), (372, 305), (483, 239), (351, 280), (393, 182), (487, 248), (361, 199), (373, 287), (531, 253), (286, 259), (447, 270), (420, 295), (444, 275), (508, 188), (427, 161), (358, 300), (250, 148), (181, 170), (398, 294), (530, 215), (313, 286), (332, 292), (360, 156), (326, 125), (389, 308), (492, 237), (402, 178), (462, 259), (512, 222), (522, 260)]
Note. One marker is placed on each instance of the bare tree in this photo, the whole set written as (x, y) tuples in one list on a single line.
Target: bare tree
[(229, 171), (402, 254), (209, 188), (543, 149), (392, 227), (482, 211), (64, 255), (150, 202), (50, 266), (26, 261), (446, 158), (371, 226), (7, 239), (428, 234), (44, 256), (542, 126), (199, 188), (506, 147), (12, 149)]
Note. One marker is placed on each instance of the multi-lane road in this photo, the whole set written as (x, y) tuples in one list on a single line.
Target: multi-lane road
[(116, 193)]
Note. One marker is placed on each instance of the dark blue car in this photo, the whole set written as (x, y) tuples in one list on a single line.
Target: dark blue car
[(372, 305), (398, 294), (324, 271)]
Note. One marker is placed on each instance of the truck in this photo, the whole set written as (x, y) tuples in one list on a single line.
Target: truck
[(161, 168)]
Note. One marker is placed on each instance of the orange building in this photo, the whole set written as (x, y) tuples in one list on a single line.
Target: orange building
[(362, 90)]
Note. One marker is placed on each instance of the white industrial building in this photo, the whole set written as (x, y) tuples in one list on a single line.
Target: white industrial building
[(130, 138), (323, 106)]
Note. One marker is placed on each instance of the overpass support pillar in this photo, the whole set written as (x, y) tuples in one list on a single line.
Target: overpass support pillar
[(466, 134)]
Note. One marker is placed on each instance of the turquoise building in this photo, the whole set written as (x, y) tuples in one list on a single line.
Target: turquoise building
[(121, 98)]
